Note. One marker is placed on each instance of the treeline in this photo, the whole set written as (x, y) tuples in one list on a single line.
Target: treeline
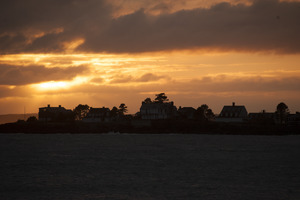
[(201, 121)]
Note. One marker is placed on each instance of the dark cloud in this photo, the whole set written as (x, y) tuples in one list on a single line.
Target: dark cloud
[(267, 25), (121, 79), (31, 26), (21, 91), (97, 80), (47, 15), (149, 77), (234, 85), (264, 26), (22, 75)]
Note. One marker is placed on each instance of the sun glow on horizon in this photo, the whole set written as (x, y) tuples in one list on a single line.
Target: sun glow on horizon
[(189, 78), (52, 85), (60, 85)]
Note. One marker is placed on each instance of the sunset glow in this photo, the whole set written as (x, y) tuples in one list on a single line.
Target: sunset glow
[(103, 53), (52, 85)]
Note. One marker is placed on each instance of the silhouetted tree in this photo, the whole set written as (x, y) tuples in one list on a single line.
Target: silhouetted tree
[(282, 111), (137, 115), (122, 109), (81, 111), (209, 114), (32, 119), (203, 113), (147, 100), (204, 107), (200, 113), (160, 98), (114, 112)]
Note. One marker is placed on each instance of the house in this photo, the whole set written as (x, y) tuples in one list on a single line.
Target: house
[(186, 112), (98, 115), (55, 114), (158, 110), (262, 117), (232, 113), (293, 119)]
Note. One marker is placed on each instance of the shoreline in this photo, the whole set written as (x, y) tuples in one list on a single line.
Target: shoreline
[(156, 127)]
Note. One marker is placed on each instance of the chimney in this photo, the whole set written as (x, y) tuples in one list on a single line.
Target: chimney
[(233, 103), (59, 106), (48, 105)]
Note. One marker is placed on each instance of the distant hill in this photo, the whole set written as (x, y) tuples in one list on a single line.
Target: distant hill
[(15, 117)]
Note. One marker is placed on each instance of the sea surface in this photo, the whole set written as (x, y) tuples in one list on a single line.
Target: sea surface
[(149, 166)]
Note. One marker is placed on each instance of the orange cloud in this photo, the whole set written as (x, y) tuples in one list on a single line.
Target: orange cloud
[(23, 75), (149, 77), (189, 79)]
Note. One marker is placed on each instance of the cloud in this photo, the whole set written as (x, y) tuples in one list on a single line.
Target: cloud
[(22, 75), (264, 26), (210, 85), (123, 7), (44, 26), (97, 80), (148, 77), (257, 92), (224, 83), (20, 91), (35, 26)]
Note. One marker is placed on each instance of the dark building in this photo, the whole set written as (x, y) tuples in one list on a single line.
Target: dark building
[(262, 117), (186, 112), (158, 110), (98, 115), (233, 113), (293, 119), (55, 114)]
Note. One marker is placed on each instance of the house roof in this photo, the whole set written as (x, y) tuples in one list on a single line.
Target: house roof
[(99, 110), (233, 111), (187, 110), (54, 109), (157, 105), (261, 115)]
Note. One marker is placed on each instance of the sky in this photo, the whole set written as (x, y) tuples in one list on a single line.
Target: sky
[(108, 52)]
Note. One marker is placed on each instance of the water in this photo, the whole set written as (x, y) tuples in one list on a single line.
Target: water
[(91, 166)]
